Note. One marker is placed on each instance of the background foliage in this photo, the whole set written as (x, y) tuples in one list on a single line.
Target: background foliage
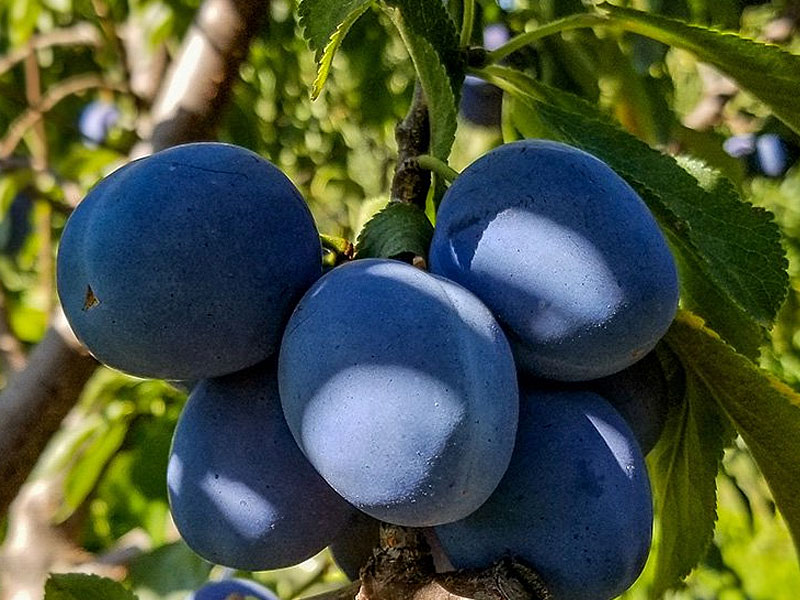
[(109, 459)]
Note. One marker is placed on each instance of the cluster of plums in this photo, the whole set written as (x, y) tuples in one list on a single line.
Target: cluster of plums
[(474, 400), (765, 154)]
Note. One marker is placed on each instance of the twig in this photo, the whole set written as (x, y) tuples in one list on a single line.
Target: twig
[(81, 34), (67, 87)]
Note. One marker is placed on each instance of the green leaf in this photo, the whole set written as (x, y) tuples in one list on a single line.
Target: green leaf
[(320, 19), (732, 265), (77, 586), (86, 471), (765, 412), (431, 21), (437, 87), (326, 58), (325, 24), (683, 468), (767, 72), (400, 228), (168, 572)]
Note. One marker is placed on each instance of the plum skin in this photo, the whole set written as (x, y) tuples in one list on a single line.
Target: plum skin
[(401, 390), (641, 395), (222, 590), (187, 263), (575, 502), (564, 253), (240, 491)]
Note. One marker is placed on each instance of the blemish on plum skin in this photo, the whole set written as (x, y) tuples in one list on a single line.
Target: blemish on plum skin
[(90, 300)]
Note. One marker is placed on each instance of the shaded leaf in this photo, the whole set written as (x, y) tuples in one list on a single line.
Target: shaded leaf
[(78, 586), (400, 228), (765, 412), (431, 21), (437, 87), (769, 73), (683, 468)]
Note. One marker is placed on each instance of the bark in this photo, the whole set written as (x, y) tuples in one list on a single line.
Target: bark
[(198, 82), (403, 569)]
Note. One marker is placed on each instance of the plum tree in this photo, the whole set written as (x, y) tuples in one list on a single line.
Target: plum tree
[(353, 546), (400, 388), (575, 502), (641, 395), (186, 264), (564, 253), (241, 492), (96, 120), (230, 589)]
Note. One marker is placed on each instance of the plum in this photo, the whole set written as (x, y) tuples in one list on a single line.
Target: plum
[(96, 120), (186, 264), (400, 388), (240, 491), (575, 502), (564, 253), (233, 589), (640, 394)]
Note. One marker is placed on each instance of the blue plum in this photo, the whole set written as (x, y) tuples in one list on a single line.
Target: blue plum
[(575, 502), (564, 253), (240, 491), (96, 120), (641, 395), (482, 102), (186, 264), (233, 589), (400, 388), (772, 155), (353, 547)]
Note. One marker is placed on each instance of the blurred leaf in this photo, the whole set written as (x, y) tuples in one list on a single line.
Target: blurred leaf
[(683, 468), (765, 411), (83, 475), (22, 20), (400, 228), (77, 586), (326, 58), (28, 322), (769, 73), (170, 572), (732, 265)]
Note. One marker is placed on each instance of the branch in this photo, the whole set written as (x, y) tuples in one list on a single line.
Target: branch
[(411, 183), (82, 34), (403, 569), (73, 85), (200, 79), (37, 398)]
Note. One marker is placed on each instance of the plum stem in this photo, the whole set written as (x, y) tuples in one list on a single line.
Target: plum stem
[(411, 183), (433, 164), (578, 21)]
